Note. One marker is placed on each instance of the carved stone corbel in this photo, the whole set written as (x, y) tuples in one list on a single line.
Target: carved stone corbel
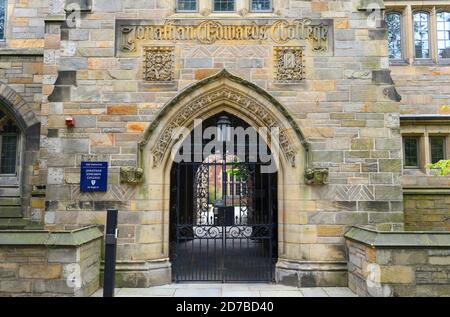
[(316, 176), (131, 175)]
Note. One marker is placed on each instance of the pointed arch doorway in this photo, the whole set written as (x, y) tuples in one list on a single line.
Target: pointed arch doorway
[(223, 206)]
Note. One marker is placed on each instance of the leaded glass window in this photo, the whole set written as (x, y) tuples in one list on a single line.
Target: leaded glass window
[(224, 5), (9, 139), (421, 35), (261, 5), (411, 151), (443, 34), (437, 148), (394, 26), (187, 5), (2, 19)]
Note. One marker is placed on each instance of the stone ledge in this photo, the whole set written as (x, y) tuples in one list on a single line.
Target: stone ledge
[(72, 238), (19, 224), (142, 273), (21, 51), (413, 190), (388, 239), (311, 273), (55, 18)]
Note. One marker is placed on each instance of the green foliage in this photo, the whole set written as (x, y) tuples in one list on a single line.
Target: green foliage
[(240, 171), (442, 167)]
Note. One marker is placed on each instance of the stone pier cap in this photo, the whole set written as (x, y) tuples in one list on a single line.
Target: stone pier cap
[(392, 239), (64, 238)]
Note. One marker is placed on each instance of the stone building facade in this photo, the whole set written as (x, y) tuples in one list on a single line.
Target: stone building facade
[(113, 80)]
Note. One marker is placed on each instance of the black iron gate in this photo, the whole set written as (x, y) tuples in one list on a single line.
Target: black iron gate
[(223, 221)]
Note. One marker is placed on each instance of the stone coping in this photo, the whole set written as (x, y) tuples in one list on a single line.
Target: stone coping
[(429, 190), (73, 238), (19, 224), (396, 239), (21, 51)]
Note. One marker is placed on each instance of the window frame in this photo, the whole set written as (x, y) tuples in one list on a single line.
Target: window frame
[(17, 153), (5, 22), (430, 54), (417, 138), (440, 10), (215, 11), (402, 43), (13, 179), (250, 5), (187, 11), (444, 144)]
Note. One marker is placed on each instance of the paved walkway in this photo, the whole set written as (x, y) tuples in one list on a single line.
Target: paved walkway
[(231, 290)]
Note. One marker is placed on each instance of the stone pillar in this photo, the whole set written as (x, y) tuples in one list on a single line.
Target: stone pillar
[(51, 146)]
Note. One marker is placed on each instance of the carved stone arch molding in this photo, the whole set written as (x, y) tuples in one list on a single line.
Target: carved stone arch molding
[(213, 94), (17, 107), (17, 196)]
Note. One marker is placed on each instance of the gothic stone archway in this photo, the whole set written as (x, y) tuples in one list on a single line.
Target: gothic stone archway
[(222, 92)]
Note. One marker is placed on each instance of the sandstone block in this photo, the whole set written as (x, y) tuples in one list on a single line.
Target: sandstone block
[(43, 271)]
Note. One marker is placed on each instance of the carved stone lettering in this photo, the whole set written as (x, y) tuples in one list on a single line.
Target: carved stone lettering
[(211, 31)]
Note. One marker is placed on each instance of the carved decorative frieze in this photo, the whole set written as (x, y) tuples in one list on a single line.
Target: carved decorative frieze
[(288, 63), (131, 175), (211, 31), (168, 135), (159, 63), (316, 176)]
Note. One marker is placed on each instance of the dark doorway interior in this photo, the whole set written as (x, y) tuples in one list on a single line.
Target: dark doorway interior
[(223, 210)]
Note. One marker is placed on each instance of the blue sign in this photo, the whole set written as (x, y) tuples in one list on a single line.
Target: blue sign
[(94, 177)]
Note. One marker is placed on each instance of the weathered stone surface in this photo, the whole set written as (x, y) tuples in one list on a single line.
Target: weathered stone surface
[(50, 271), (427, 212), (345, 106), (395, 269)]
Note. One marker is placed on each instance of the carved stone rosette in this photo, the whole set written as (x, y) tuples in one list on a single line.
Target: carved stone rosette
[(159, 63), (288, 63), (131, 175)]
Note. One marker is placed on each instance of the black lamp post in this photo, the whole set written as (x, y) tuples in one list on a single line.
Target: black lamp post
[(223, 129), (223, 136)]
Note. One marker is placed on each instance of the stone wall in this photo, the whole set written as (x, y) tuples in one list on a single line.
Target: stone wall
[(25, 23), (398, 264), (427, 212), (345, 105), (32, 265), (424, 88)]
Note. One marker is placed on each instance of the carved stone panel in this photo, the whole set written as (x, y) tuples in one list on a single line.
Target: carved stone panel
[(134, 34), (159, 63), (288, 63)]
